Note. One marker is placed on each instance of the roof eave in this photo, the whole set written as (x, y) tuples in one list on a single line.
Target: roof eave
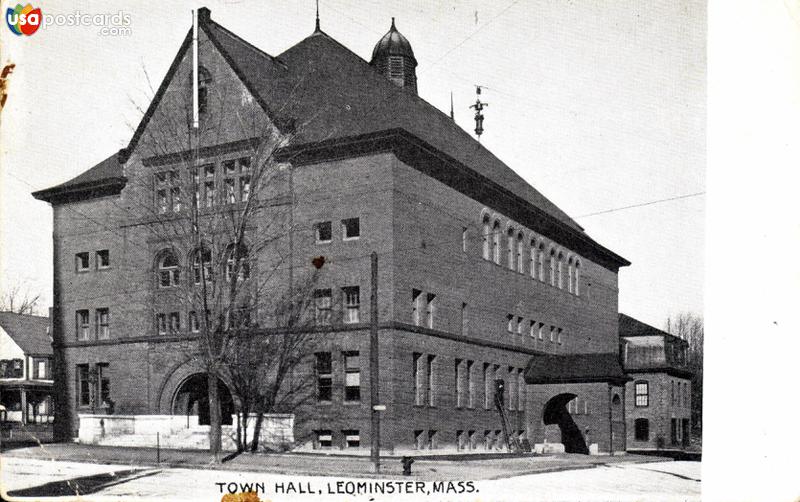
[(91, 189)]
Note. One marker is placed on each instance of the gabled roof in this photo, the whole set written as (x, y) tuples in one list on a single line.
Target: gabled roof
[(30, 332), (628, 326), (574, 368), (324, 92)]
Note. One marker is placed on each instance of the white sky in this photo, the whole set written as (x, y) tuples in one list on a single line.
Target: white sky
[(599, 105)]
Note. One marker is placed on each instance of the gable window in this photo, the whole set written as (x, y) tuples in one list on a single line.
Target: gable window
[(486, 236), (203, 85), (209, 184), (322, 307), (642, 394), (168, 191), (351, 229), (429, 310), (352, 377), (236, 181), (168, 270), (641, 429), (324, 377), (102, 259), (101, 323), (415, 299), (323, 232), (352, 304), (82, 324), (81, 262)]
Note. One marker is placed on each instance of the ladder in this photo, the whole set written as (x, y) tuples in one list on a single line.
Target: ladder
[(512, 443)]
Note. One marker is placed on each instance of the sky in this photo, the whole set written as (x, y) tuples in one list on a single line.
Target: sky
[(599, 105)]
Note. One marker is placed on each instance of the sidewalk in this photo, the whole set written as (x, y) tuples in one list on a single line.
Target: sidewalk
[(473, 467)]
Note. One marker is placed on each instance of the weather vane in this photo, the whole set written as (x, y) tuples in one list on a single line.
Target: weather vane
[(478, 109)]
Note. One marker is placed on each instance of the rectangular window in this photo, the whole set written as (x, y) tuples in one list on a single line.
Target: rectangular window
[(161, 324), (323, 232), (101, 323), (81, 262), (175, 197), (642, 395), (84, 392), (161, 201), (672, 394), (464, 322), (174, 322), (352, 439), (211, 193), (429, 310), (41, 368), (168, 192), (230, 190), (419, 395), (102, 258), (352, 377), (324, 438), (541, 331), (11, 368), (487, 386), (552, 333), (324, 377), (415, 299), (244, 188), (510, 323), (103, 384), (470, 386), (641, 428), (464, 239), (82, 324), (459, 384), (558, 335), (352, 304), (673, 431), (351, 229), (520, 324), (430, 389), (194, 323), (322, 307), (532, 329), (521, 391)]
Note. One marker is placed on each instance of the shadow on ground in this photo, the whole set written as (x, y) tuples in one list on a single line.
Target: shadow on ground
[(81, 486)]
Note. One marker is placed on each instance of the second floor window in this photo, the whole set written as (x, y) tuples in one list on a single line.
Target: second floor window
[(168, 192), (642, 394), (430, 309), (352, 304), (168, 270), (322, 307), (82, 324), (101, 323)]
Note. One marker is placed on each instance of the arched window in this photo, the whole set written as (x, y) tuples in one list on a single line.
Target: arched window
[(510, 250), (552, 267), (577, 288), (203, 85), (168, 270), (533, 258), (541, 262), (496, 242), (560, 270), (520, 261), (486, 237), (204, 270), (570, 274), (237, 261)]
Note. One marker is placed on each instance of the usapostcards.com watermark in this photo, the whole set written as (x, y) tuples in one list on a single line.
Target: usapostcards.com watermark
[(27, 20)]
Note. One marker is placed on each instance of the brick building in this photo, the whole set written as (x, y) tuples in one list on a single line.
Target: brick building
[(481, 277), (659, 398)]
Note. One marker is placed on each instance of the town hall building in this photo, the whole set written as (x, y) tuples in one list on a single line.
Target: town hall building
[(480, 276)]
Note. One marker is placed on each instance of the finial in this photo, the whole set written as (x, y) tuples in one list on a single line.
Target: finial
[(393, 28), (317, 28)]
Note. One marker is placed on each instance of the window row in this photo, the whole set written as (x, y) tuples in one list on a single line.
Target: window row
[(170, 323), (578, 406), (536, 330), (468, 378), (543, 261), (350, 227), (41, 368), (168, 273), (351, 376), (347, 438), (350, 306), (84, 329), (212, 184), (93, 386), (486, 439), (102, 260)]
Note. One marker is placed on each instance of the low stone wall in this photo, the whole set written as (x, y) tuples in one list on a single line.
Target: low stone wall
[(181, 431)]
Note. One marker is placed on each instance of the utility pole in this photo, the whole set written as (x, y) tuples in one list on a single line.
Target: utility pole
[(373, 368)]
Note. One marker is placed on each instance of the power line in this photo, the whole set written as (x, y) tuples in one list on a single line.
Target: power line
[(649, 203)]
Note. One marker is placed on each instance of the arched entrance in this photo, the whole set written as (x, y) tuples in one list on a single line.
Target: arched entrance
[(555, 413), (191, 398)]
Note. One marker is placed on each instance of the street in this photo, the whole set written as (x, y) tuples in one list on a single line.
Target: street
[(619, 482)]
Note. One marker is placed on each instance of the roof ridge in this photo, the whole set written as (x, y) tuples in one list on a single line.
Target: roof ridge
[(246, 43)]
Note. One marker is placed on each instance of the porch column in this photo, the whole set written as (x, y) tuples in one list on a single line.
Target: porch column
[(23, 401)]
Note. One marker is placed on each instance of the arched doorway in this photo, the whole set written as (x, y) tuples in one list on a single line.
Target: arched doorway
[(191, 398), (555, 413)]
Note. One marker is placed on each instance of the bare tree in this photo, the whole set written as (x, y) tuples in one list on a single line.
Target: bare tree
[(19, 301), (689, 327)]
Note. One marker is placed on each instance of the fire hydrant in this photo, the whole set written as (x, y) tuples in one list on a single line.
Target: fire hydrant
[(406, 461)]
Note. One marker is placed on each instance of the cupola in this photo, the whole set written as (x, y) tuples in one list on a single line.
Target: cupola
[(394, 58)]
